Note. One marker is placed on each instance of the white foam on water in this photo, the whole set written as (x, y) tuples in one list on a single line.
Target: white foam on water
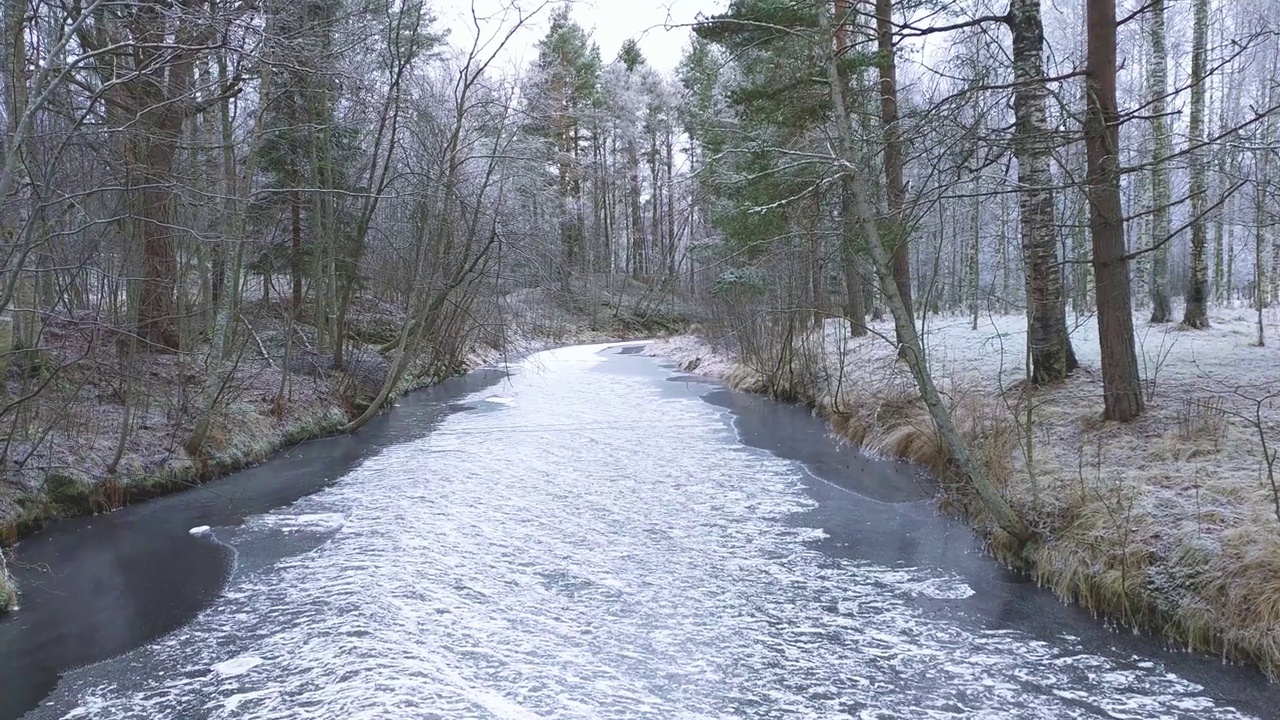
[(237, 666), (925, 582), (622, 556), (287, 522), (233, 703)]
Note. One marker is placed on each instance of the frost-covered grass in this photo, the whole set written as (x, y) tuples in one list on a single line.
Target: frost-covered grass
[(1167, 523)]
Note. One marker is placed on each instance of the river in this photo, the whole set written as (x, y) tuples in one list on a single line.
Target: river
[(593, 536)]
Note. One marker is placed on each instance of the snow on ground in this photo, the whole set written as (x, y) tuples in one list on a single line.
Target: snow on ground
[(693, 354), (1169, 521)]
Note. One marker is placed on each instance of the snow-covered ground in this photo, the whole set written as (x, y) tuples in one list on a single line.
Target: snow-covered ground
[(1170, 521)]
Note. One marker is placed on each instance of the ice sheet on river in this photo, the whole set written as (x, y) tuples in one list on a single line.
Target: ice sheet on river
[(595, 548)]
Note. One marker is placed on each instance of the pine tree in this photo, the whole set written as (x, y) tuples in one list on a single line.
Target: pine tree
[(566, 76), (300, 115), (1122, 392)]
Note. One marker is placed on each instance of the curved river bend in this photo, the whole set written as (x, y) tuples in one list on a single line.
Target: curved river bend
[(594, 538)]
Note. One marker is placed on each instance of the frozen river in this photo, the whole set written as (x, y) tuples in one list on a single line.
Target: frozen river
[(593, 538)]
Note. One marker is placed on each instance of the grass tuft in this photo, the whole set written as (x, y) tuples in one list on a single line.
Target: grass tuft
[(8, 590)]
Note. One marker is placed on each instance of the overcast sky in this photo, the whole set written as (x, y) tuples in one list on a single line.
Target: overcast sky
[(610, 22)]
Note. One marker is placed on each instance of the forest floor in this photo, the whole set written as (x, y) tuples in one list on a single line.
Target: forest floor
[(58, 445), (1170, 523)]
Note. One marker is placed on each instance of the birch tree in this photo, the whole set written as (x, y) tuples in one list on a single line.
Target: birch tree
[(1052, 357), (1157, 82), (1196, 314)]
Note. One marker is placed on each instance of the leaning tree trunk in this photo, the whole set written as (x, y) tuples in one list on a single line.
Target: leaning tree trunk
[(1050, 347), (895, 183), (904, 322), (1196, 314), (1122, 392), (1157, 81)]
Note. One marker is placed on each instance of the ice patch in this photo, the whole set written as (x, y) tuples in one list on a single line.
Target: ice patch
[(500, 400), (237, 666)]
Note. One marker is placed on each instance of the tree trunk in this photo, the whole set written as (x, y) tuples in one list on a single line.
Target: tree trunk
[(1157, 82), (157, 310), (1051, 355), (607, 214), (1219, 234), (219, 360), (671, 210), (855, 294), (295, 244), (569, 230), (655, 203), (1259, 259), (157, 103), (854, 309), (1196, 314), (974, 267), (1122, 391), (637, 217), (895, 183)]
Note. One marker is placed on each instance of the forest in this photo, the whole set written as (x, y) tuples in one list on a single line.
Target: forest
[(1033, 248)]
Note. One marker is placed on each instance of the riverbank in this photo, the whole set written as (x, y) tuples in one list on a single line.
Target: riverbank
[(1169, 524), (60, 449), (8, 590)]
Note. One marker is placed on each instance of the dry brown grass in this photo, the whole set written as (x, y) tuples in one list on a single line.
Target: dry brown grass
[(1165, 524), (8, 591)]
